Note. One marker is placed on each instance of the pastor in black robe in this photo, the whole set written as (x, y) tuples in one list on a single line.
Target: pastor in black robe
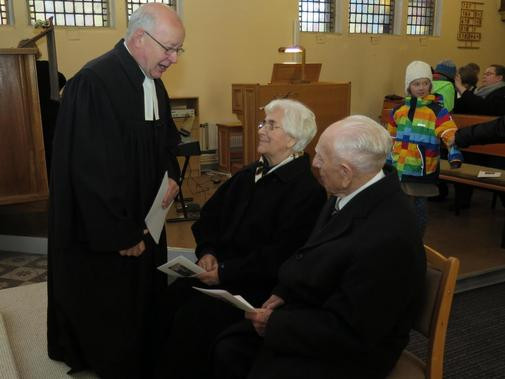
[(108, 163), (251, 228)]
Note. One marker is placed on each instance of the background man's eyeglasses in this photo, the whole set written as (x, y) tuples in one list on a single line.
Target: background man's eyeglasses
[(168, 50)]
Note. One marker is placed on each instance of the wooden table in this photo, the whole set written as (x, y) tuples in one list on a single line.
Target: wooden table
[(467, 174)]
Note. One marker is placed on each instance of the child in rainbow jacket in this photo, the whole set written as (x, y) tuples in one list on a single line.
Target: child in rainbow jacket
[(417, 128)]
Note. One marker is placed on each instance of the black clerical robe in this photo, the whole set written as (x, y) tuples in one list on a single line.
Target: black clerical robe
[(108, 164)]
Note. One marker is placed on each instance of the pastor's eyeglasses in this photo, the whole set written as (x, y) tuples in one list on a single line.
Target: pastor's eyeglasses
[(168, 50)]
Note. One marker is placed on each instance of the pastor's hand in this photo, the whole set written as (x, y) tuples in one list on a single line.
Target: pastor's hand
[(211, 278), (259, 319), (134, 251), (172, 191)]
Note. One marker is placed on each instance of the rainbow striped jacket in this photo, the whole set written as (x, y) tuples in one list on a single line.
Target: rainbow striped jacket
[(417, 127)]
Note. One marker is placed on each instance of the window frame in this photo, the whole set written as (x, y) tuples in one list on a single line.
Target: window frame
[(178, 7), (335, 6), (9, 20), (106, 17), (394, 24), (433, 27)]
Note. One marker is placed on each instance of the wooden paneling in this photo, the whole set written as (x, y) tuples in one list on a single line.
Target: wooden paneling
[(330, 102), (23, 175)]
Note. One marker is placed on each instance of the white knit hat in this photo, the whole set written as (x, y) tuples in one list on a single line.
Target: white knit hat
[(417, 70)]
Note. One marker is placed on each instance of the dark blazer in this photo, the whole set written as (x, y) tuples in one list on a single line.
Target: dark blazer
[(482, 134), (351, 292), (492, 105)]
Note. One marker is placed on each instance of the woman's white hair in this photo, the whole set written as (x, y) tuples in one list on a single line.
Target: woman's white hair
[(298, 121), (362, 142), (142, 18)]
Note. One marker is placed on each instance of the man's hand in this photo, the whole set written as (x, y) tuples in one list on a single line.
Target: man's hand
[(208, 262), (259, 319), (172, 191), (273, 302), (211, 278), (136, 250)]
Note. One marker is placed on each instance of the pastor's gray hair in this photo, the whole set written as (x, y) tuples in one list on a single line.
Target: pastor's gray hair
[(143, 18), (362, 142), (298, 121)]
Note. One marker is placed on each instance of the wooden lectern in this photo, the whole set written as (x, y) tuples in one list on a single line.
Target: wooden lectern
[(330, 102), (23, 175)]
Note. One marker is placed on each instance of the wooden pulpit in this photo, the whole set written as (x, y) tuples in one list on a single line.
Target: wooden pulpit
[(23, 176)]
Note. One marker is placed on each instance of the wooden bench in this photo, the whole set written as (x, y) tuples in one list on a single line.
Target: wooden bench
[(467, 174)]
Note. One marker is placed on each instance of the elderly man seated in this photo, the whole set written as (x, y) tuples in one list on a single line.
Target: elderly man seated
[(488, 99), (247, 229), (345, 302)]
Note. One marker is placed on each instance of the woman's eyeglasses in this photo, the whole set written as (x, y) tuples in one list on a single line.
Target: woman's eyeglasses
[(268, 125)]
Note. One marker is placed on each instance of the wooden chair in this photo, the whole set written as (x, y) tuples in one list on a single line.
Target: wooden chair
[(432, 320)]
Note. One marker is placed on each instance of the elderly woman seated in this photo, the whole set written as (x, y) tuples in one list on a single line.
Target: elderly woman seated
[(247, 229)]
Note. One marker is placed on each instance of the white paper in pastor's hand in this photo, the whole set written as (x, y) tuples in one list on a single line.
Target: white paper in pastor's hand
[(181, 267), (155, 219), (235, 300)]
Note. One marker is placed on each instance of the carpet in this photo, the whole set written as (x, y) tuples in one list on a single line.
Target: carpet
[(23, 310), (475, 344), (18, 269)]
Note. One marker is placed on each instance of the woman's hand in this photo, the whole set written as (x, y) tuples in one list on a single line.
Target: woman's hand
[(208, 262), (211, 278)]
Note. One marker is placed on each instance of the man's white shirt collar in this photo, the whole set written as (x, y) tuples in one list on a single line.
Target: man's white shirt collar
[(151, 111), (342, 201)]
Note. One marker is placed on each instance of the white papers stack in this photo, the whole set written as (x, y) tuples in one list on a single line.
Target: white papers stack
[(235, 300), (181, 267), (155, 219)]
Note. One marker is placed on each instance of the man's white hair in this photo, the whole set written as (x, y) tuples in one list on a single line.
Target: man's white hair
[(143, 18), (362, 142), (298, 121)]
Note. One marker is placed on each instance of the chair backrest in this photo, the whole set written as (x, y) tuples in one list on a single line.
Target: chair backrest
[(432, 321)]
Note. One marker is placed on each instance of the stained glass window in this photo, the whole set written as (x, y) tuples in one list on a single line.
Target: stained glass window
[(70, 13), (371, 16), (316, 15)]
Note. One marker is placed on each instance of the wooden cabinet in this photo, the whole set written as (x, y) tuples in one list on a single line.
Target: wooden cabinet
[(330, 102), (23, 176), (186, 114), (230, 145)]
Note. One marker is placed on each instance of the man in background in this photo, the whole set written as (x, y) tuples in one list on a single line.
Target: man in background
[(112, 146)]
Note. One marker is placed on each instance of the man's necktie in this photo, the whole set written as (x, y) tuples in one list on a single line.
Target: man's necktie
[(336, 207)]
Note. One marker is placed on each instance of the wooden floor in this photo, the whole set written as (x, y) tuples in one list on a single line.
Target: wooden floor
[(474, 236)]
